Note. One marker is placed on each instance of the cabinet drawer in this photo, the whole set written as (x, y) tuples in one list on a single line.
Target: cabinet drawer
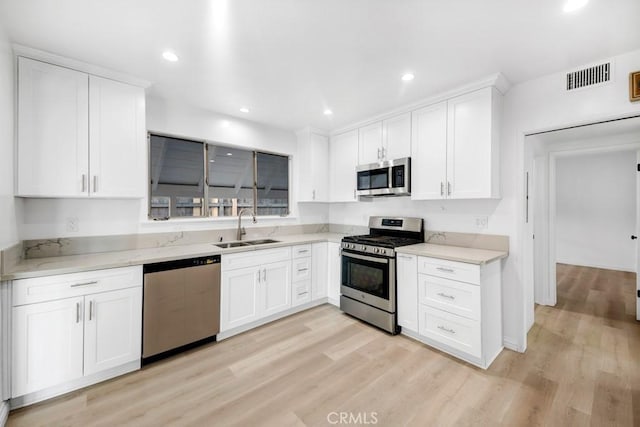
[(255, 258), (458, 298), (40, 289), (301, 269), (301, 292), (461, 271), (455, 331), (301, 251)]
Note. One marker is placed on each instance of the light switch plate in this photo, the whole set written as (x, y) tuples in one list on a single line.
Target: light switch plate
[(73, 225), (482, 222)]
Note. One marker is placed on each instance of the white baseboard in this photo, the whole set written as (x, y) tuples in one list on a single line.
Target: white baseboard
[(58, 390), (4, 413), (511, 344), (293, 310), (601, 266)]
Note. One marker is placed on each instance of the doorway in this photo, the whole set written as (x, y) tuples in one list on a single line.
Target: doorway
[(574, 178)]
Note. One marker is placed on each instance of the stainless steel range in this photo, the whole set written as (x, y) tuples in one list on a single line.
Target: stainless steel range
[(368, 279)]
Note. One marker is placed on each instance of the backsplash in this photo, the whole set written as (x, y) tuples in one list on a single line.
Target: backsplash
[(43, 248)]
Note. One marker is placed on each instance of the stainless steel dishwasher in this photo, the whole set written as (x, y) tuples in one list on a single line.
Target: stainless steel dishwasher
[(181, 305)]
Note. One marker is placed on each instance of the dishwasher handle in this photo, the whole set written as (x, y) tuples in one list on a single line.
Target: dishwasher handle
[(180, 263)]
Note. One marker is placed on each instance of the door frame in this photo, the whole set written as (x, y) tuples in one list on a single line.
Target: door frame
[(546, 292)]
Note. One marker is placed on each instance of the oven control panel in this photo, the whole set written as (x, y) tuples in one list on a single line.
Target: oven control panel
[(369, 249)]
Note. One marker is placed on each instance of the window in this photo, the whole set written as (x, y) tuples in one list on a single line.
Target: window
[(232, 179)]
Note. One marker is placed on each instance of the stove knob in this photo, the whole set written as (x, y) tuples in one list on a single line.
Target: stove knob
[(376, 250), (363, 248)]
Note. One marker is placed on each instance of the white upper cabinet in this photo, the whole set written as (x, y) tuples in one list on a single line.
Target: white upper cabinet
[(343, 159), (78, 135), (370, 143), (53, 130), (385, 140), (117, 127), (396, 133), (472, 144), (429, 152), (313, 164), (454, 148)]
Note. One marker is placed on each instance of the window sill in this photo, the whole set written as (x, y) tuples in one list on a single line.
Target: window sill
[(246, 220)]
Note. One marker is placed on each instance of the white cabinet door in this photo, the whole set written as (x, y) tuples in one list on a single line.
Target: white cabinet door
[(335, 265), (312, 166), (113, 328), (319, 270), (343, 159), (47, 344), (117, 136), (370, 143), (407, 286), (239, 298), (429, 153), (397, 137), (471, 145), (276, 285), (53, 130)]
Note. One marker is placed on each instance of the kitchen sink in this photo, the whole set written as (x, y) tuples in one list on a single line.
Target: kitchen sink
[(261, 241), (231, 245), (245, 243)]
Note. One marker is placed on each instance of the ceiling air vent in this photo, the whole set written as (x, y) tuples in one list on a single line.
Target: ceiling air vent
[(590, 76)]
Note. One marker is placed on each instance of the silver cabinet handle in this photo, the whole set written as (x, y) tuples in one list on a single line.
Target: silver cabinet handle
[(77, 312), (313, 195), (379, 156), (354, 193), (451, 297), (95, 183), (443, 328), (303, 251), (90, 309), (259, 273), (303, 293), (93, 282), (84, 183), (264, 279), (302, 269), (384, 153), (448, 188), (441, 188), (446, 270)]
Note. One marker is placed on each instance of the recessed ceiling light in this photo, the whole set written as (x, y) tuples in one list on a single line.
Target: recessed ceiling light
[(573, 5), (170, 56), (225, 123), (229, 154), (408, 77), (328, 112), (212, 161), (244, 110)]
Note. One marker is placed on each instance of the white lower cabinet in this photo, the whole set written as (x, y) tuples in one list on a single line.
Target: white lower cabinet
[(94, 325), (302, 272), (453, 306), (407, 290), (335, 265), (252, 290), (319, 270)]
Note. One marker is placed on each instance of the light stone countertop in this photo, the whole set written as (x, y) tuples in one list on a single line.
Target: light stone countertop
[(37, 267), (453, 253)]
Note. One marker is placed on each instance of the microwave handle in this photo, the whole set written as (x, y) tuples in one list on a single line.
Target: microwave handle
[(365, 258)]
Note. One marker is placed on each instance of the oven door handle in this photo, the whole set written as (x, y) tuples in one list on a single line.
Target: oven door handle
[(366, 258)]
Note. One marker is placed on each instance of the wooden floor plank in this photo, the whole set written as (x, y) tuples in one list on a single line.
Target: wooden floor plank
[(581, 367)]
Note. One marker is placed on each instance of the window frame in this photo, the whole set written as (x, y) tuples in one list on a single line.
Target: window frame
[(205, 193)]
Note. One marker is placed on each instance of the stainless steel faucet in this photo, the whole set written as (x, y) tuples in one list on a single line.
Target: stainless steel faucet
[(241, 230)]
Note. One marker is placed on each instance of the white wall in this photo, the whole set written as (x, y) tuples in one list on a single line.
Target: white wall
[(46, 218), (596, 210), (8, 207)]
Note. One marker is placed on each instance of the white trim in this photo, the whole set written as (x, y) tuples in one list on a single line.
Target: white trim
[(52, 58), (4, 413), (497, 80), (511, 344), (293, 310), (58, 390)]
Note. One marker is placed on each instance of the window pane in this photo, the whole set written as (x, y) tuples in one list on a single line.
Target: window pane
[(230, 180), (273, 184), (177, 178)]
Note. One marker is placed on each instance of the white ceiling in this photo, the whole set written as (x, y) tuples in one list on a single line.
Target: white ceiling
[(288, 60)]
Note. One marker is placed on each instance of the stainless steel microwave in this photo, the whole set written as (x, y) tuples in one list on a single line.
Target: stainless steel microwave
[(388, 178)]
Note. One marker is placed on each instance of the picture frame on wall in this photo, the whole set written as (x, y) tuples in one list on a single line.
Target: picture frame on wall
[(634, 86)]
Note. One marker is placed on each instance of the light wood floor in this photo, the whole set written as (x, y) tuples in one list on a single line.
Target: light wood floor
[(582, 367)]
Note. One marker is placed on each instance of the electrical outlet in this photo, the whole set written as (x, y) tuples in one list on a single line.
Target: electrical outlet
[(482, 222), (73, 224)]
